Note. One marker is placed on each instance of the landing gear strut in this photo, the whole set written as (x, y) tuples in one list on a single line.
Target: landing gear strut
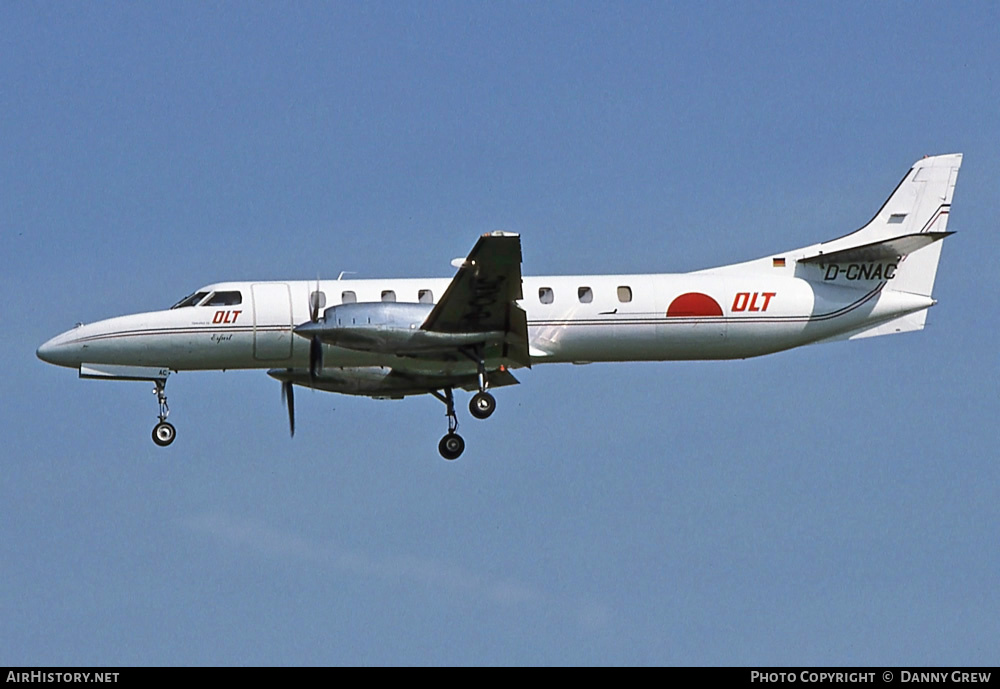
[(482, 405), (451, 445), (163, 432)]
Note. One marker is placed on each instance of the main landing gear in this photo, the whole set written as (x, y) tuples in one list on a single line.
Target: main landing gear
[(163, 432), (482, 405), (452, 445)]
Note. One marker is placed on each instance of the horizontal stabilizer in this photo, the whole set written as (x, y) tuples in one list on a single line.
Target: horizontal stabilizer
[(886, 250)]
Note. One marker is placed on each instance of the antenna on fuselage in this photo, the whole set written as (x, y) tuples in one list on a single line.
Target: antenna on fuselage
[(346, 272)]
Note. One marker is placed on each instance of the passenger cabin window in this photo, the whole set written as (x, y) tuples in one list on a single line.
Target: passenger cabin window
[(191, 300), (425, 296), (585, 294), (388, 295), (317, 300), (225, 299), (545, 295), (348, 297), (624, 294)]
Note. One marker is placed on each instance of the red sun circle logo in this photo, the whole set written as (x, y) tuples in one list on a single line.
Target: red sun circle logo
[(693, 304)]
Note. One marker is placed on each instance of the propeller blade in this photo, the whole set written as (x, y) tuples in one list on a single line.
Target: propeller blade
[(315, 357), (314, 304), (288, 398)]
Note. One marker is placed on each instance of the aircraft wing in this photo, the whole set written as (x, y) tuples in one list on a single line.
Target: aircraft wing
[(482, 298), (420, 383)]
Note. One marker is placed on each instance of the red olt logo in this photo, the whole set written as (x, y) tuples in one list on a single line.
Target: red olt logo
[(752, 301), (226, 316)]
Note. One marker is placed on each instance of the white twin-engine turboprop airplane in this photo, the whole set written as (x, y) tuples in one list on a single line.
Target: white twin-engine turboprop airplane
[(392, 338)]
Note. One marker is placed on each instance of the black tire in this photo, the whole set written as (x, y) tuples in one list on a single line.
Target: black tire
[(451, 446), (482, 405), (164, 434)]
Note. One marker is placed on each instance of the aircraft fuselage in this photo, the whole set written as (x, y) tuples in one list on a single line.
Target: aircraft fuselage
[(570, 319)]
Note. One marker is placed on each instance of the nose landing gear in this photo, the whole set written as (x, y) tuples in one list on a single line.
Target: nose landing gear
[(163, 432)]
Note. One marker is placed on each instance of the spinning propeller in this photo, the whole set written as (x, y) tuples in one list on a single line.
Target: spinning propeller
[(315, 359), (288, 399), (315, 344)]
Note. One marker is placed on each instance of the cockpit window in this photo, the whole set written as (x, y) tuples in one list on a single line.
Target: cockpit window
[(192, 300), (225, 299)]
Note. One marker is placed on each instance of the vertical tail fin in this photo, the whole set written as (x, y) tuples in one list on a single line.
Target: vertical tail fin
[(924, 201), (907, 226), (919, 204), (899, 249)]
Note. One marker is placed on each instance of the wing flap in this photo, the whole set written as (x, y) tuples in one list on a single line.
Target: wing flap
[(498, 379)]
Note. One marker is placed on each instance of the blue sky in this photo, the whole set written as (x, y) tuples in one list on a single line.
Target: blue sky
[(829, 505)]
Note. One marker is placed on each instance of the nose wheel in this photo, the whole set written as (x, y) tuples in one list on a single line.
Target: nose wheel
[(163, 432)]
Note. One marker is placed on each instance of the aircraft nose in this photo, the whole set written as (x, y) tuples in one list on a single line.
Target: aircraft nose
[(58, 351), (46, 352)]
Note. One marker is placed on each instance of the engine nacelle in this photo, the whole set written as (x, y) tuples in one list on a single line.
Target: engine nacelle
[(369, 381), (388, 328)]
